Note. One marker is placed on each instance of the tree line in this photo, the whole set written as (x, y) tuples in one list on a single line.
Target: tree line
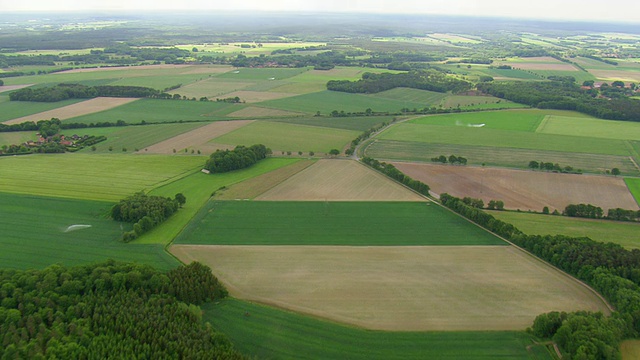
[(452, 159), (239, 158), (595, 212), (77, 91), (609, 268), (549, 166), (371, 83), (364, 136), (145, 212), (392, 172)]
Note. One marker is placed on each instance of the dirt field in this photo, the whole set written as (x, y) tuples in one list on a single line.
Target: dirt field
[(542, 63), (430, 288), (339, 180), (196, 139), (521, 189), (257, 96), (254, 111), (5, 88), (79, 109)]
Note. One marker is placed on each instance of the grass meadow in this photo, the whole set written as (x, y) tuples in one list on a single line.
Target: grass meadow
[(525, 120), (427, 98), (15, 109), (33, 234), (331, 223), (262, 74), (271, 333), (634, 186), (358, 123), (589, 127)]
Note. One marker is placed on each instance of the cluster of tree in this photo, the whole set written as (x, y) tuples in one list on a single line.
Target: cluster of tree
[(238, 158), (549, 166), (495, 205), (76, 91), (53, 145), (109, 310), (609, 268), (392, 172), (564, 95), (431, 80), (452, 159), (42, 125), (145, 212), (474, 203), (364, 136), (324, 60), (1, 82), (619, 214), (583, 210), (483, 61), (231, 100)]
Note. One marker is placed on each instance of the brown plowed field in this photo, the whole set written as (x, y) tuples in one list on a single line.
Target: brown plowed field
[(428, 288), (74, 110), (339, 180), (197, 138), (521, 189)]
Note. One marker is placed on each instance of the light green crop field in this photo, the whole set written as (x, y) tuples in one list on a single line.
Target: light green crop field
[(288, 137), (589, 127), (525, 120), (623, 233), (497, 156), (360, 123), (133, 137), (155, 110), (197, 188), (160, 82), (261, 74), (211, 87), (634, 186), (337, 73), (108, 177), (331, 223), (427, 98), (35, 234), (511, 74), (477, 102), (16, 138), (270, 333), (580, 76), (15, 109), (327, 101)]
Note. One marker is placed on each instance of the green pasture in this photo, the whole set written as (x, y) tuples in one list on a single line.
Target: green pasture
[(211, 87), (359, 123), (498, 156), (426, 98), (33, 234), (197, 188), (331, 223), (300, 87), (580, 76), (327, 101), (623, 233), (589, 127), (14, 109), (160, 82), (270, 333), (478, 102), (526, 120), (156, 110), (337, 73), (511, 74), (634, 186), (134, 137), (261, 74), (16, 138), (107, 177), (288, 137)]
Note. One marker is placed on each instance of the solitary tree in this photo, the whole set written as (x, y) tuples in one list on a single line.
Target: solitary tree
[(615, 171), (545, 210), (181, 199), (334, 152)]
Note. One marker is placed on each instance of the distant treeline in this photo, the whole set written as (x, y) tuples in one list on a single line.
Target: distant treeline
[(145, 212), (392, 172), (110, 310), (609, 268), (238, 158), (564, 95), (595, 212), (76, 91), (371, 83)]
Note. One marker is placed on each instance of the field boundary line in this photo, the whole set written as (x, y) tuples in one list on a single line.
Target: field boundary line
[(542, 124)]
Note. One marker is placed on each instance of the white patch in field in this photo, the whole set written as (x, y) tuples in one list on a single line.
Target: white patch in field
[(76, 227)]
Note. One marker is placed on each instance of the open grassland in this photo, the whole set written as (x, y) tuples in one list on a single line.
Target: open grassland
[(262, 74), (257, 96), (211, 88), (612, 75), (426, 98), (497, 156), (360, 123), (300, 87), (399, 288), (34, 234), (260, 112), (155, 110), (513, 74), (198, 188), (623, 233), (331, 223), (288, 137), (478, 102), (452, 38), (270, 333), (580, 76), (630, 349), (328, 101), (587, 127), (634, 187), (5, 88), (542, 63), (337, 73), (339, 180), (10, 110), (521, 189), (520, 120), (19, 137), (92, 176), (195, 139)]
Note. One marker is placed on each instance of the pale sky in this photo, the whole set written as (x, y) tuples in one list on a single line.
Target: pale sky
[(604, 10)]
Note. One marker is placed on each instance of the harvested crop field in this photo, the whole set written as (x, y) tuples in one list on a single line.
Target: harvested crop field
[(623, 75), (74, 110), (254, 111), (521, 189), (398, 288), (339, 180), (197, 138)]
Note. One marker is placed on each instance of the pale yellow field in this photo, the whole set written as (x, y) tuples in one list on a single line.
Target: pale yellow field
[(339, 180), (609, 75), (197, 138), (429, 288), (74, 110)]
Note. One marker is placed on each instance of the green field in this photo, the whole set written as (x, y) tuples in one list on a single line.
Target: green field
[(288, 137), (16, 138), (580, 76), (359, 123), (211, 87), (262, 74), (331, 223), (525, 120), (154, 110), (269, 333), (328, 101), (14, 109), (588, 127), (108, 177), (634, 187), (623, 233), (427, 98), (33, 234), (197, 188), (511, 74)]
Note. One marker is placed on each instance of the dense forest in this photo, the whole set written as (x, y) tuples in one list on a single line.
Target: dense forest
[(238, 158), (371, 83), (109, 310), (76, 91), (145, 212)]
